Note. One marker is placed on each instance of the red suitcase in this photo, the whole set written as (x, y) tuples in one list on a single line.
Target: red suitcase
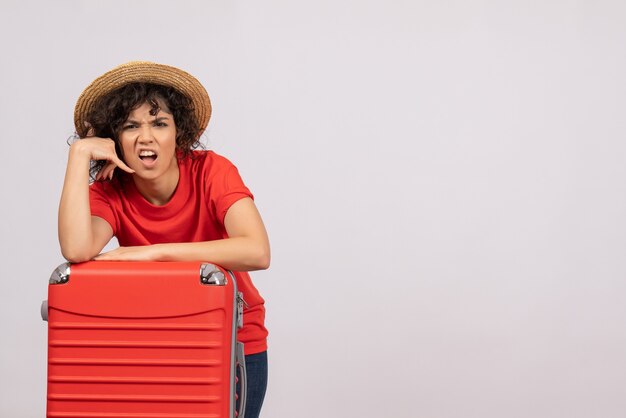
[(143, 340)]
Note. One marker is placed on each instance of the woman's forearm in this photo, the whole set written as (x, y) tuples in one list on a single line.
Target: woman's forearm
[(75, 232), (238, 253)]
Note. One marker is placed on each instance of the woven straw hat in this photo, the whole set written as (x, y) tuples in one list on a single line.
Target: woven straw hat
[(147, 72)]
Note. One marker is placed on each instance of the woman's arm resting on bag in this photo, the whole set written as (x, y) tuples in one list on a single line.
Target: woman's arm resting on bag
[(246, 249), (81, 235)]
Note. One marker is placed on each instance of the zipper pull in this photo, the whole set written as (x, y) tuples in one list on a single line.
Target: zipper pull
[(240, 294), (240, 303)]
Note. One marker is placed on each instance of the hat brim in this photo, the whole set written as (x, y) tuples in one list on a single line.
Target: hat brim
[(144, 72)]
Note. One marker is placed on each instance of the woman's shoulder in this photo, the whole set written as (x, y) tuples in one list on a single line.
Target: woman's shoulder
[(209, 160)]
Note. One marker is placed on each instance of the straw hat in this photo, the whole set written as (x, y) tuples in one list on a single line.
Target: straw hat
[(147, 72)]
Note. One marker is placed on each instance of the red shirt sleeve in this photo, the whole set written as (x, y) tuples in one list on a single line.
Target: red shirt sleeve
[(225, 187), (99, 202)]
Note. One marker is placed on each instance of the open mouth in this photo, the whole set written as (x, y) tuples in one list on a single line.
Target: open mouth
[(148, 157)]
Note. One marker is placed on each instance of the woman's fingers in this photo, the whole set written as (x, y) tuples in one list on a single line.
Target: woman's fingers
[(114, 159), (99, 149), (109, 169), (106, 171), (122, 165)]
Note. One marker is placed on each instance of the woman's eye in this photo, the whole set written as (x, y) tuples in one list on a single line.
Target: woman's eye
[(129, 126), (161, 124)]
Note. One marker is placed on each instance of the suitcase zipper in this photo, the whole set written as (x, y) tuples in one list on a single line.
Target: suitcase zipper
[(240, 304)]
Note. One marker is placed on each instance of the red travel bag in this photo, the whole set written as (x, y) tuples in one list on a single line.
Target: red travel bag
[(143, 340)]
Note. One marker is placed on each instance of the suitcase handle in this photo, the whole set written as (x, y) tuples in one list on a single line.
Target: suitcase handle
[(243, 382), (44, 310)]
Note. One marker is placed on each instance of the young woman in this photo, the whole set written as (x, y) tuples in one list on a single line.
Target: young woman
[(163, 200)]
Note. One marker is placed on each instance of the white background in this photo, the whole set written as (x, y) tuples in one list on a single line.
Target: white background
[(442, 181)]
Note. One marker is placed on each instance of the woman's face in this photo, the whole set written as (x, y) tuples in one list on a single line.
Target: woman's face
[(148, 142)]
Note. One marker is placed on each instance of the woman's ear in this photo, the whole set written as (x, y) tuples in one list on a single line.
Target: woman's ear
[(89, 128)]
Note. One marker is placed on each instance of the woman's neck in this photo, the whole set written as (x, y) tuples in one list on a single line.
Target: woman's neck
[(160, 190)]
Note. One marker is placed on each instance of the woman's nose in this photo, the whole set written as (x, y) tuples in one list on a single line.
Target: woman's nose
[(145, 135)]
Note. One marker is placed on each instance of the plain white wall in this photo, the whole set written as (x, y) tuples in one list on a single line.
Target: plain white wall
[(442, 183)]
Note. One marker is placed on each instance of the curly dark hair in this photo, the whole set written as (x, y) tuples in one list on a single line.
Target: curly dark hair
[(111, 111)]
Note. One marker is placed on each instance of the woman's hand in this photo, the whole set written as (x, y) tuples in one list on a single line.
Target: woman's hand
[(95, 148), (140, 253)]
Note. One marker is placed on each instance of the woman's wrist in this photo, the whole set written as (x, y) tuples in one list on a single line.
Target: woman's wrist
[(78, 149)]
